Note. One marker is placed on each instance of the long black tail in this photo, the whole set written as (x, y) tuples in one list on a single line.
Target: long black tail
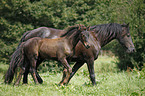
[(16, 59)]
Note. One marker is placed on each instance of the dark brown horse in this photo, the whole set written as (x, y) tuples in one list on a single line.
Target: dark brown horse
[(59, 49), (104, 33), (43, 32)]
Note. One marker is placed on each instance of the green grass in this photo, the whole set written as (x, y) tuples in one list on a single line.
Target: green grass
[(110, 82)]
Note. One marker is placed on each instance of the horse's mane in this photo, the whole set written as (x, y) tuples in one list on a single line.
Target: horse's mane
[(107, 29), (71, 29)]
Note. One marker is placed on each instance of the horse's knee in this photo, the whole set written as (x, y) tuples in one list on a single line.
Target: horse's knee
[(70, 70), (67, 70)]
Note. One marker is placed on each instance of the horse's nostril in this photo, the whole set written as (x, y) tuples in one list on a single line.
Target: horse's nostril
[(133, 50), (88, 46)]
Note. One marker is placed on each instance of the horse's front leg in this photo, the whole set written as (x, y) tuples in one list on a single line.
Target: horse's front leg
[(74, 70), (67, 71), (90, 64)]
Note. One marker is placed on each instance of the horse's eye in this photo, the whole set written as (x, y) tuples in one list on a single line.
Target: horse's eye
[(128, 35)]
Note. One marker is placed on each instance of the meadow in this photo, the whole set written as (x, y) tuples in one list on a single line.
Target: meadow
[(110, 82)]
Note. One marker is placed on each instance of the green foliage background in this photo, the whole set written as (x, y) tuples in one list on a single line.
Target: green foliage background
[(19, 16)]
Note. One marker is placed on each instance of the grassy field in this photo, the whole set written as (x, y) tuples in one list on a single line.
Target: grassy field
[(110, 82)]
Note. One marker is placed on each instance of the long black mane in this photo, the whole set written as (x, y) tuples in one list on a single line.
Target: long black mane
[(107, 32), (107, 28)]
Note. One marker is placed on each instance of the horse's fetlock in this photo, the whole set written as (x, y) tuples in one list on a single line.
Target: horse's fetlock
[(92, 76)]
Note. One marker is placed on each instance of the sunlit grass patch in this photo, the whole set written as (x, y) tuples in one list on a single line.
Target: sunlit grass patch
[(110, 82)]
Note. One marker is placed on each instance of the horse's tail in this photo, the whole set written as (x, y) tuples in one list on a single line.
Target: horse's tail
[(16, 60)]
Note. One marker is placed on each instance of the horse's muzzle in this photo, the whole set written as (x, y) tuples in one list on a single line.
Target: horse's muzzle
[(131, 50)]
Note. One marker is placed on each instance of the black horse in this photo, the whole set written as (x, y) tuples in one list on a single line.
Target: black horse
[(104, 33)]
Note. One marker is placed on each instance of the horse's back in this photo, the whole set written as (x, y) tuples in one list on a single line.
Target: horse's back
[(43, 32)]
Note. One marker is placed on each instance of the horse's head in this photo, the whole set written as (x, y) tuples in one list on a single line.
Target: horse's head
[(84, 37), (125, 39)]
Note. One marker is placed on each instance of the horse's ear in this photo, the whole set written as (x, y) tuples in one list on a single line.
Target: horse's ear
[(123, 25), (127, 25)]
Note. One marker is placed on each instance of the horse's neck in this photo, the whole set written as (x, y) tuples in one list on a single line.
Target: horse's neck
[(105, 39), (73, 39), (94, 42)]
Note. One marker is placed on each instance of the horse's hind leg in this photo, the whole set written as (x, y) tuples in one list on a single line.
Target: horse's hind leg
[(33, 73), (39, 78), (22, 70), (25, 78), (39, 61), (33, 70)]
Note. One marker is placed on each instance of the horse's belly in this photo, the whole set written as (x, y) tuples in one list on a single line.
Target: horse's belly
[(47, 53)]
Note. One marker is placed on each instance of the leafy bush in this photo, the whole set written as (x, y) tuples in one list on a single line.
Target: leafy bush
[(19, 16)]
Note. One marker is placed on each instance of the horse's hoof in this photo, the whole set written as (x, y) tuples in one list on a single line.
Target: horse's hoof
[(25, 83), (37, 83), (62, 84), (16, 84), (40, 82)]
